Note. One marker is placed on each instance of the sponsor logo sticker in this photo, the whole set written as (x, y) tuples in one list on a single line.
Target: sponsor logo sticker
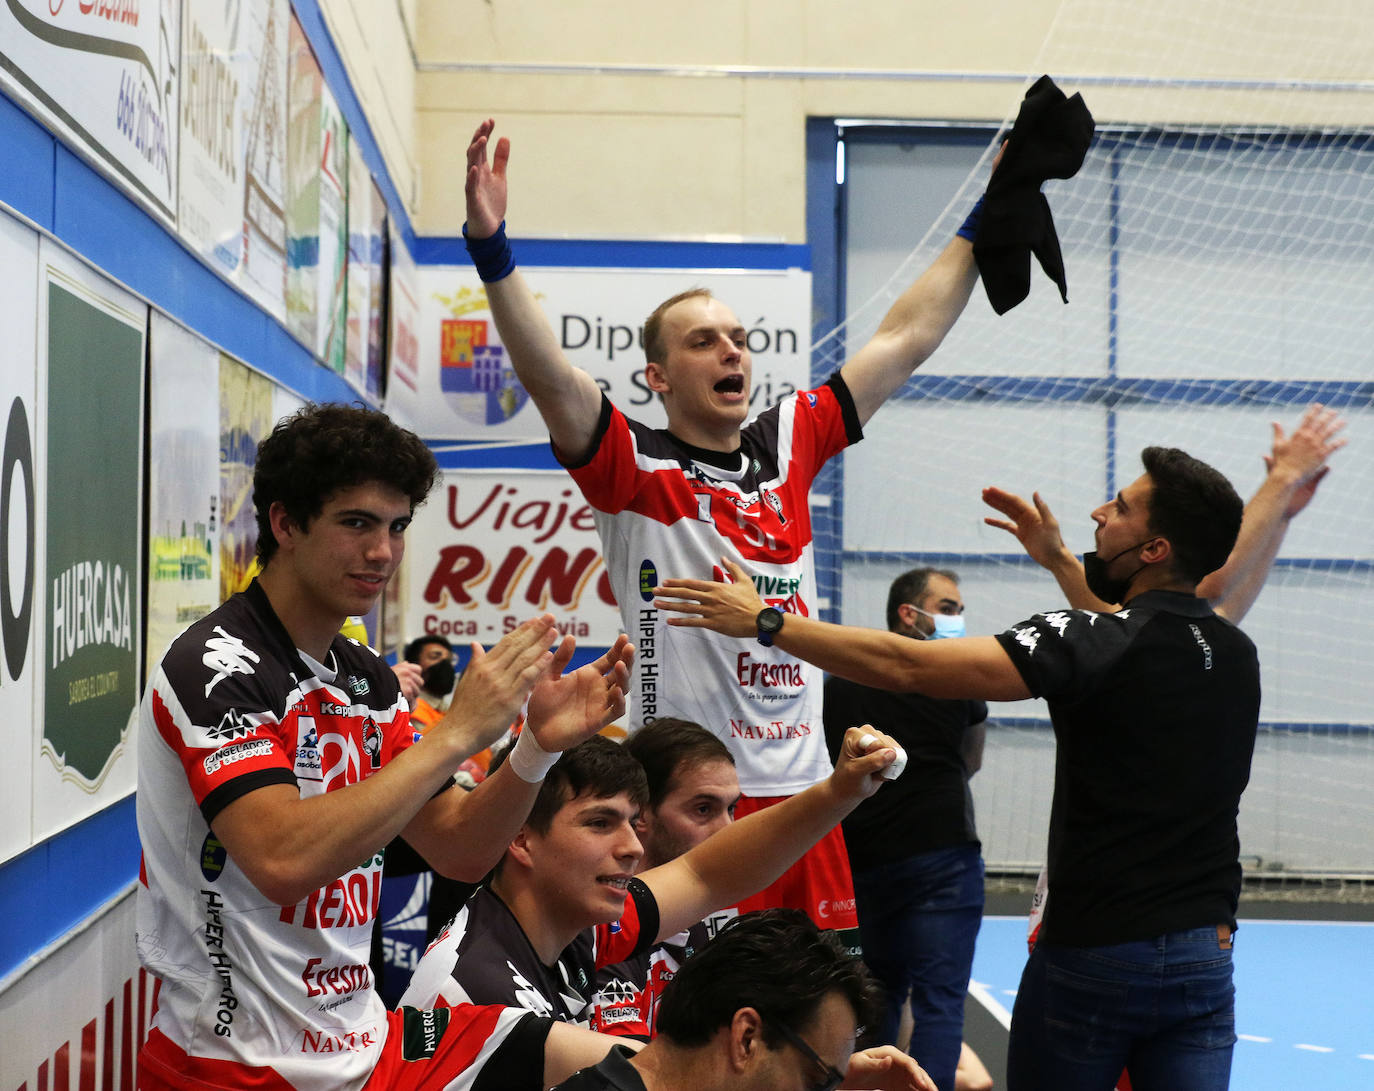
[(648, 579)]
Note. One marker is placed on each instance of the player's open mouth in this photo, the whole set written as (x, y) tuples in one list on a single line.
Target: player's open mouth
[(731, 384), (620, 882)]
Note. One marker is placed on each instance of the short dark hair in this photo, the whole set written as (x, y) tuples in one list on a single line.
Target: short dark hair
[(316, 452), (669, 746), (654, 349), (909, 587), (1194, 507), (776, 962), (598, 767), (412, 650)]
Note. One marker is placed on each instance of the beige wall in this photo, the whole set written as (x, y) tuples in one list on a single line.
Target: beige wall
[(693, 148), (374, 38)]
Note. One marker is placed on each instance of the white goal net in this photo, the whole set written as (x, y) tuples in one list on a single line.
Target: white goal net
[(1219, 243)]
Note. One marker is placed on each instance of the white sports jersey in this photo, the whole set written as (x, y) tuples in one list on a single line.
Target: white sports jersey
[(664, 510), (243, 982)]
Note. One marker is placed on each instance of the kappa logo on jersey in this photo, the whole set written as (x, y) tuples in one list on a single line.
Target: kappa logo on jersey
[(232, 725), (527, 996), (1027, 636), (236, 752), (1059, 620), (226, 655)]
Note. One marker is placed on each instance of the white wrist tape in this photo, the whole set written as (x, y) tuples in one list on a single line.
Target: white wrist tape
[(893, 771), (530, 761)]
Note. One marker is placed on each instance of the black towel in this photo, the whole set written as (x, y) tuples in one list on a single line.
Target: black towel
[(1049, 140)]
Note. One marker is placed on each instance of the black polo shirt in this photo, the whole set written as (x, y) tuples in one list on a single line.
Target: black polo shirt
[(929, 806), (1155, 710)]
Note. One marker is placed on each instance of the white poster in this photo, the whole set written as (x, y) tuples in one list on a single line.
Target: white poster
[(78, 1017), (233, 146), (465, 387), (104, 75), (20, 612), (491, 548), (183, 492)]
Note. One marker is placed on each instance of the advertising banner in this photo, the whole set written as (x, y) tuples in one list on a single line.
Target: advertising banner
[(92, 334), (233, 146), (104, 75), (77, 1018), (491, 548), (331, 289), (358, 274), (465, 387), (183, 490), (377, 255), (403, 344), (20, 609), (305, 86), (246, 415)]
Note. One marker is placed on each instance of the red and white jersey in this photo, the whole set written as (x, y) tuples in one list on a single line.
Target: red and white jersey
[(665, 509), (246, 984)]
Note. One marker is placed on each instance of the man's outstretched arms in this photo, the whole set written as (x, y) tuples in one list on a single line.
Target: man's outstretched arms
[(1297, 464), (966, 667)]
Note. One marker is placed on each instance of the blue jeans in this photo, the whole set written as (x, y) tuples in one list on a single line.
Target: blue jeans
[(1164, 1009), (918, 919)]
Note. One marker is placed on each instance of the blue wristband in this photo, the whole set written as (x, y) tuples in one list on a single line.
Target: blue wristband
[(492, 256), (970, 229)]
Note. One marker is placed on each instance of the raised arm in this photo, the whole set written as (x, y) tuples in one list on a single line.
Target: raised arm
[(566, 396), (745, 856), (1297, 465), (1036, 528), (915, 325), (964, 667)]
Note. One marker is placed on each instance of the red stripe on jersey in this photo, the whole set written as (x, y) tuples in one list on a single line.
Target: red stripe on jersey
[(615, 942)]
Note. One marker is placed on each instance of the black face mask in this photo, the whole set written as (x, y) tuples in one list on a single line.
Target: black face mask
[(438, 678), (1101, 584)]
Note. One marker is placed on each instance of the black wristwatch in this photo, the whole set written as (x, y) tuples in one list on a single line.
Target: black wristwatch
[(769, 622)]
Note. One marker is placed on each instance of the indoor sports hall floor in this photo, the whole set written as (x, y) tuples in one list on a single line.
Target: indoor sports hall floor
[(1304, 994)]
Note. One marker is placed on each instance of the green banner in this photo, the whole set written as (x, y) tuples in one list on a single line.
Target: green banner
[(95, 405)]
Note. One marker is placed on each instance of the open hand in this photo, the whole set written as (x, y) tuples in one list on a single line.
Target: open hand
[(566, 709), (1303, 455), (729, 608), (486, 183), (886, 1068), (1035, 527)]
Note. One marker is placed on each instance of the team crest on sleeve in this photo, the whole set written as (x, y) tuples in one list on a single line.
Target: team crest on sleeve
[(232, 725), (226, 655), (811, 399)]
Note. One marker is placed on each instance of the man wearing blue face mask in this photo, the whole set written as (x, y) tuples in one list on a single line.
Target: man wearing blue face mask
[(913, 849)]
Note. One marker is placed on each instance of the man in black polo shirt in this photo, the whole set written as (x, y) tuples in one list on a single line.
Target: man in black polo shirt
[(1155, 709)]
